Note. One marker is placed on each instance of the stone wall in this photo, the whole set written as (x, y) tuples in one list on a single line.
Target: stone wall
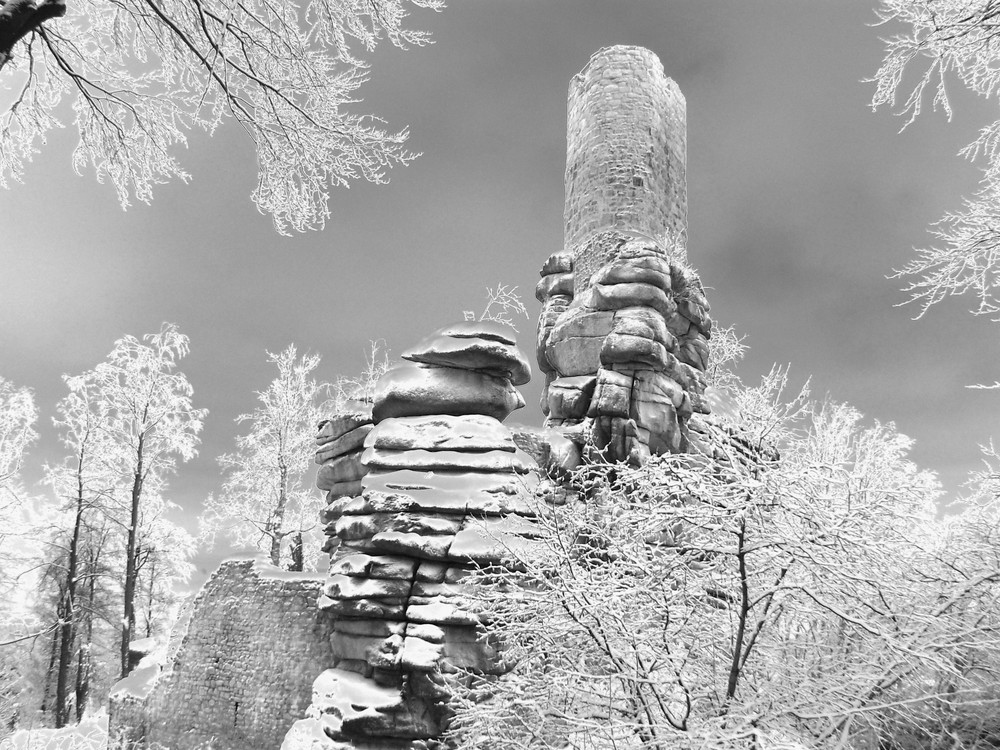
[(242, 667)]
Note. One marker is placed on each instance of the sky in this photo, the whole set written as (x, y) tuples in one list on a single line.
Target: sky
[(801, 202)]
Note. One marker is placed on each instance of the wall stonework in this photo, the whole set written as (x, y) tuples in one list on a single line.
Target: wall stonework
[(626, 155), (624, 326), (241, 671)]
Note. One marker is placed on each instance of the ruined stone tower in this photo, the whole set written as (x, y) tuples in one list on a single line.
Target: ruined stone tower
[(622, 336), (626, 155), (425, 483)]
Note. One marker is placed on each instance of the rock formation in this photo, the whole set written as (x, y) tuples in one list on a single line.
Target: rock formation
[(624, 327), (427, 482), (445, 489)]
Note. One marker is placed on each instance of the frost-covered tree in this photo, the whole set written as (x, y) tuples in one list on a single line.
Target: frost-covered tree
[(18, 414), (84, 483), (267, 497), (941, 41), (141, 74), (147, 422), (797, 599)]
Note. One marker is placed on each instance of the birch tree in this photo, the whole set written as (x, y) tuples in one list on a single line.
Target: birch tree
[(140, 75), (268, 495)]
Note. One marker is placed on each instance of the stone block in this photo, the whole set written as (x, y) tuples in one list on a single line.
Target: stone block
[(409, 390), (346, 443), (346, 468), (468, 433), (569, 398), (375, 566)]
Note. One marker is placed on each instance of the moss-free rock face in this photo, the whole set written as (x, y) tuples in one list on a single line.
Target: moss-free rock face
[(241, 670), (446, 488), (625, 360)]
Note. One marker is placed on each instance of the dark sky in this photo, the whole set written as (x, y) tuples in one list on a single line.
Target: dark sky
[(801, 202)]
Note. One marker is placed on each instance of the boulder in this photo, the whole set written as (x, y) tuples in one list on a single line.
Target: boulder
[(421, 460), (409, 390), (478, 353), (471, 432)]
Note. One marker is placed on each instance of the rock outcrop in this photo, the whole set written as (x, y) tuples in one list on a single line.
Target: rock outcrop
[(625, 359), (445, 488)]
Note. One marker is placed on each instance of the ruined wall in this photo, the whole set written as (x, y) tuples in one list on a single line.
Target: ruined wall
[(243, 668)]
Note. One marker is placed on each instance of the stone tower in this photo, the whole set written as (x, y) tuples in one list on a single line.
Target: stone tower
[(626, 154), (622, 337)]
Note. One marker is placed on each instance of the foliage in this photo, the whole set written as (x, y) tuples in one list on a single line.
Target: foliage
[(267, 495), (957, 38), (810, 599), (143, 73)]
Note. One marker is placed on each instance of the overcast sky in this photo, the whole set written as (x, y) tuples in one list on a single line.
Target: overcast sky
[(801, 202)]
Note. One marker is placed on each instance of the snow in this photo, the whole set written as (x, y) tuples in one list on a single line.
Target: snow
[(142, 645), (348, 695), (139, 683), (419, 654), (265, 570), (89, 734)]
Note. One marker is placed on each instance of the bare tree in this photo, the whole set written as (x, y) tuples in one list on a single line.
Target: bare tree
[(947, 40), (85, 482), (143, 73), (267, 496), (803, 599), (147, 421)]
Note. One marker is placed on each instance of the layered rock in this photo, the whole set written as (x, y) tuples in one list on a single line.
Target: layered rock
[(339, 445), (445, 488), (625, 359)]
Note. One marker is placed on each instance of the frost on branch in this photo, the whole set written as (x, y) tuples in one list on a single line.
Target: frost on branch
[(143, 73), (955, 38)]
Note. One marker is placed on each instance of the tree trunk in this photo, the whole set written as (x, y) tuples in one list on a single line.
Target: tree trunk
[(47, 691), (131, 571), (84, 669), (279, 516), (152, 584), (20, 17), (298, 558), (67, 627)]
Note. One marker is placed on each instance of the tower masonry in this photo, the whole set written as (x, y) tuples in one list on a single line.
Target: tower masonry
[(626, 151), (624, 328)]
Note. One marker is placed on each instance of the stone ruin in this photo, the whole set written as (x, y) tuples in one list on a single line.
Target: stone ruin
[(425, 483)]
